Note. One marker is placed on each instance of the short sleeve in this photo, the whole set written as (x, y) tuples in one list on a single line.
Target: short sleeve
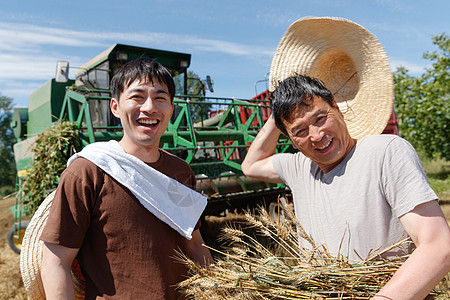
[(70, 213), (291, 167), (404, 180), (281, 164)]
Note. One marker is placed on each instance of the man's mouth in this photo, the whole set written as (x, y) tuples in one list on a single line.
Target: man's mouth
[(325, 146), (147, 122)]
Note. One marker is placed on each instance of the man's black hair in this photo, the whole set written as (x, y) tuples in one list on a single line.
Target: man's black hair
[(141, 69), (295, 91)]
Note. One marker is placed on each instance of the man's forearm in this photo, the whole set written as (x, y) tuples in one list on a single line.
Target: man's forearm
[(58, 283), (56, 273), (420, 273), (263, 147)]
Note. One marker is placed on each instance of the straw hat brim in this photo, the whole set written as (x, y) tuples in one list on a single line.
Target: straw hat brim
[(351, 63), (31, 255)]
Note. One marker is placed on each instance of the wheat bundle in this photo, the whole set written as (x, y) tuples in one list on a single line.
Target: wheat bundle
[(272, 265)]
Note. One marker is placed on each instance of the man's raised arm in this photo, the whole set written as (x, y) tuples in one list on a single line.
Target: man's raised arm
[(258, 161)]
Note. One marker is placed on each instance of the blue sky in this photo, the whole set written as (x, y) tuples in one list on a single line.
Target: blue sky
[(232, 41)]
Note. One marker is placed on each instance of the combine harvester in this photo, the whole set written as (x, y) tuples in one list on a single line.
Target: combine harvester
[(214, 144)]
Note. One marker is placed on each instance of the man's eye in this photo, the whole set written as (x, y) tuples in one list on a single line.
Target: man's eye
[(162, 98), (321, 119), (300, 132)]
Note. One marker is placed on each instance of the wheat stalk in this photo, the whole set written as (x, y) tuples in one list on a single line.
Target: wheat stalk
[(274, 266)]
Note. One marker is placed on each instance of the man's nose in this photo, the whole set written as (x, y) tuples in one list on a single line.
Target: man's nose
[(148, 105), (315, 133)]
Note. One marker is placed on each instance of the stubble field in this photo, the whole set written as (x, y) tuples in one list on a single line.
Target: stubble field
[(11, 285)]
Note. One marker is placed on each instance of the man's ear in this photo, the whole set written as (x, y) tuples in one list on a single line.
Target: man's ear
[(114, 106)]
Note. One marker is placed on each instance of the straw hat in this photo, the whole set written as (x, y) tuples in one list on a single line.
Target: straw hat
[(351, 63), (31, 255)]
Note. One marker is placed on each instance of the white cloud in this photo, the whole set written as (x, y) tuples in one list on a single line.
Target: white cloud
[(28, 53), (26, 66), (25, 37)]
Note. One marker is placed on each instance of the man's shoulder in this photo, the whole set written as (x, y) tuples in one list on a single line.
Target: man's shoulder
[(380, 141), (379, 138), (81, 167), (384, 146), (81, 163)]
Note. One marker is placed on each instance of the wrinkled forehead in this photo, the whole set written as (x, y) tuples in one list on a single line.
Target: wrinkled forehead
[(305, 106), (299, 108), (297, 112)]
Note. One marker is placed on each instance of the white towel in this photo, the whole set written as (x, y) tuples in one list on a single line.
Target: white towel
[(170, 201)]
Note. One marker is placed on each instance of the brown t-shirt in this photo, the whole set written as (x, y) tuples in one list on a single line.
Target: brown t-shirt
[(125, 251)]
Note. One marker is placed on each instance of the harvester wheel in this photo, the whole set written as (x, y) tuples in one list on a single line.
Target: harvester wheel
[(16, 243)]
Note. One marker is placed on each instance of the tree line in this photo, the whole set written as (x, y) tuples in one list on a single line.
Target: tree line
[(421, 103), (7, 140)]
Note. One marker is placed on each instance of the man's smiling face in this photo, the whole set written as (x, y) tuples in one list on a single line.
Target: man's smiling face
[(144, 109), (319, 131)]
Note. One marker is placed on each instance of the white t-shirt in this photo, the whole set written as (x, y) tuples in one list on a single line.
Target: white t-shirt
[(356, 206)]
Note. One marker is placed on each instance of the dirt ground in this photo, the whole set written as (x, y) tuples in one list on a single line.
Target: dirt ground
[(11, 285)]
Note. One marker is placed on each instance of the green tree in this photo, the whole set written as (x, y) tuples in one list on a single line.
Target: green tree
[(422, 103), (7, 140)]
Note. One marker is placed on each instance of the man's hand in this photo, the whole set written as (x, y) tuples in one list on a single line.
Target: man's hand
[(55, 271), (429, 263), (258, 161)]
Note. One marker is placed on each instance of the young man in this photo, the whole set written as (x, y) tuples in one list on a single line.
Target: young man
[(356, 197), (124, 209)]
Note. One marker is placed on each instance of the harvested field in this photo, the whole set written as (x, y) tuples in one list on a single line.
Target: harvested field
[(11, 286)]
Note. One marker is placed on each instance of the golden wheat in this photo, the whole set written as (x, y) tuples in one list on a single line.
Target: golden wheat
[(272, 265)]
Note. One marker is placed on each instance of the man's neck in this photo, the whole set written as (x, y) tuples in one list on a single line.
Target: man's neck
[(350, 146), (148, 154)]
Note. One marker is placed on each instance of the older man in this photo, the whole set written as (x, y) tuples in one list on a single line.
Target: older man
[(356, 197)]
